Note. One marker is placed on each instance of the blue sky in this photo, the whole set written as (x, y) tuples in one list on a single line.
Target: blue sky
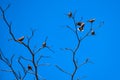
[(48, 18)]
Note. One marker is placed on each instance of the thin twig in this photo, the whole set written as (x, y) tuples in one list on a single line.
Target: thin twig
[(29, 39), (5, 70), (70, 28), (41, 56), (62, 70)]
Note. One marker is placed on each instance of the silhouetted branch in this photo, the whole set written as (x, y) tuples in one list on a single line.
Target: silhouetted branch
[(6, 70), (70, 28), (12, 59), (68, 49), (85, 62), (24, 70), (62, 70), (41, 56), (79, 27), (7, 62), (29, 38), (44, 45), (21, 57), (38, 50), (45, 64), (20, 40), (50, 49)]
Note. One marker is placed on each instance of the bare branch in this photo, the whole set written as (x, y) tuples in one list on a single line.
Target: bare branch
[(38, 50), (29, 39), (24, 70), (44, 45), (70, 28), (68, 49), (21, 57), (8, 6), (12, 59), (62, 70), (19, 75), (85, 62), (46, 39), (41, 56), (44, 64), (39, 76), (6, 70), (50, 49)]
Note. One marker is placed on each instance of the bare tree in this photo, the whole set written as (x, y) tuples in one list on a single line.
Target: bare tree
[(79, 27), (21, 74)]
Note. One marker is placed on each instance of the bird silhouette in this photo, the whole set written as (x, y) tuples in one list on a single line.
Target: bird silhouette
[(81, 26), (92, 32), (70, 14), (21, 39), (44, 44), (29, 67), (91, 20)]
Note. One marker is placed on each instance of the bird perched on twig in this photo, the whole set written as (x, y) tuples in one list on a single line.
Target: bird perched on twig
[(20, 39), (44, 44), (81, 24), (29, 67), (91, 20), (70, 14), (92, 32)]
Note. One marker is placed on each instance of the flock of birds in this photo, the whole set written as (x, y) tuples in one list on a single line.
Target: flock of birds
[(80, 28)]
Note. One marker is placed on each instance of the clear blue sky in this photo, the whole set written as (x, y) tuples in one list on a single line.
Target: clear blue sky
[(48, 18)]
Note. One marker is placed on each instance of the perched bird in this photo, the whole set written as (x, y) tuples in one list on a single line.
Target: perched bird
[(81, 24), (29, 67), (21, 39), (91, 20), (92, 32), (70, 14), (81, 28), (44, 44)]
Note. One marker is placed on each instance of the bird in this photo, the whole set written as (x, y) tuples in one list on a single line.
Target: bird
[(21, 39), (82, 24), (91, 20), (92, 32), (29, 67), (70, 14), (81, 28), (44, 44)]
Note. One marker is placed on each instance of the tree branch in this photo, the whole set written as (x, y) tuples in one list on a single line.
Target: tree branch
[(62, 70), (20, 41), (7, 62)]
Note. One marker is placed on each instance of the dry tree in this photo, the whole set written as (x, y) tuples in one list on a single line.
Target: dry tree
[(79, 28), (29, 69)]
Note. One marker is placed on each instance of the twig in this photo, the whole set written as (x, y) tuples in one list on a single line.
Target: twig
[(44, 64), (68, 49), (70, 28), (62, 70), (50, 49), (29, 39), (41, 56), (6, 70)]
